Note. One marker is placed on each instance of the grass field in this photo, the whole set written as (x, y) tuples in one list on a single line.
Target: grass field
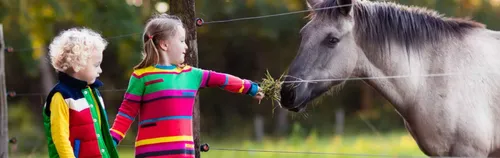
[(397, 144)]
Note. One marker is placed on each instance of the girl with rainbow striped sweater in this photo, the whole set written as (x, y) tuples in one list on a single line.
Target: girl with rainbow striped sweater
[(161, 93)]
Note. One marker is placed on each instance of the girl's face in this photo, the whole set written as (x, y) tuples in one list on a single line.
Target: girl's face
[(176, 47), (92, 70)]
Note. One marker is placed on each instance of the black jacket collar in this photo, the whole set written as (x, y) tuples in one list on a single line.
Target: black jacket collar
[(76, 83)]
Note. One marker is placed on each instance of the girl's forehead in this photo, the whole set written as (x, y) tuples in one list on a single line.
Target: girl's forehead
[(181, 29)]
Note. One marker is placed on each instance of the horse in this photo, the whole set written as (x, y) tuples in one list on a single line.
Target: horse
[(448, 115)]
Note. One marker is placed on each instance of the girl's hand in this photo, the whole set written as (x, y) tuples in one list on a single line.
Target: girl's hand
[(260, 95)]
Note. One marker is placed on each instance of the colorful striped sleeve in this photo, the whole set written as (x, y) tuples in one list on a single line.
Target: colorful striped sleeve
[(59, 126), (128, 109), (228, 82)]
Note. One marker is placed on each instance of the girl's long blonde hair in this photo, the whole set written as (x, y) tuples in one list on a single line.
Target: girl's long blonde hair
[(161, 27)]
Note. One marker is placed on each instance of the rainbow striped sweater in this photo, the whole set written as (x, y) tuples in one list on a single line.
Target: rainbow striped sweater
[(163, 98)]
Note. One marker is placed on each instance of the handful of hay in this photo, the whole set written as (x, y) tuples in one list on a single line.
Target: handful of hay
[(271, 88)]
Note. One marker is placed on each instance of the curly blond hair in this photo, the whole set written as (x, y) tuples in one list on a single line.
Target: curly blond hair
[(72, 48)]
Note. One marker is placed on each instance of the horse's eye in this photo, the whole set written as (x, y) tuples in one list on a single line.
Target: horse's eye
[(331, 41)]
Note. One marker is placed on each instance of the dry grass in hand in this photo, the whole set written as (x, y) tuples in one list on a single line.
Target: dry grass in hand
[(271, 88)]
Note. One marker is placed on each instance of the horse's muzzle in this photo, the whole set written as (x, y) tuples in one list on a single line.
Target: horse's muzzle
[(287, 95)]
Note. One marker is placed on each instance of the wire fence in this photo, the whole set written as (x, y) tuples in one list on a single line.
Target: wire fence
[(294, 152), (285, 152), (299, 80)]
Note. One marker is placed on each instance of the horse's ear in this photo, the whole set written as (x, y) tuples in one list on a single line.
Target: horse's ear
[(312, 3), (345, 6)]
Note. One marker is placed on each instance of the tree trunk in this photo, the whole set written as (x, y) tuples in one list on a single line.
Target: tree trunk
[(146, 8), (258, 124), (46, 75), (4, 132), (47, 81), (339, 121), (185, 9), (281, 121), (366, 97)]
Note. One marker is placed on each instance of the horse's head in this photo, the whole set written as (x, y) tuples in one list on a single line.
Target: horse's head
[(327, 51)]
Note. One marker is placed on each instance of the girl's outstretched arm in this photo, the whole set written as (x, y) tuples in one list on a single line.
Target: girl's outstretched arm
[(128, 109), (228, 82)]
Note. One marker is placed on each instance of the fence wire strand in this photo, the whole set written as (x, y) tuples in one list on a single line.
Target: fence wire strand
[(299, 80), (274, 15), (309, 152), (301, 152), (208, 22)]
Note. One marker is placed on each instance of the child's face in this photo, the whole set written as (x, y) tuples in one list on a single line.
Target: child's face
[(177, 47), (92, 70)]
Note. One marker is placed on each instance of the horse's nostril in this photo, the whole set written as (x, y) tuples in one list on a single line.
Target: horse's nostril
[(287, 95)]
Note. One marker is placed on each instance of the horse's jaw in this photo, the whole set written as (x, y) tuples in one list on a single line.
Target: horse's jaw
[(297, 98)]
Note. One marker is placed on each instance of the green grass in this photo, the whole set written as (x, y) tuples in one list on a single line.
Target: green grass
[(393, 144)]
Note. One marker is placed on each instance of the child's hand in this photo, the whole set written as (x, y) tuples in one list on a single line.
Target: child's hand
[(260, 95)]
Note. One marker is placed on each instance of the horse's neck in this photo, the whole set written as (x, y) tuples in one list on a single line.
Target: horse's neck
[(385, 80), (397, 72), (496, 34), (402, 74)]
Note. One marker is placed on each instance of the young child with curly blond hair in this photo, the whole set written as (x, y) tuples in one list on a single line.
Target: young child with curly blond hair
[(75, 120)]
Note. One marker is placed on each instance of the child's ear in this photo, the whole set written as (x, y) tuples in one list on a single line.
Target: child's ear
[(164, 45), (74, 69)]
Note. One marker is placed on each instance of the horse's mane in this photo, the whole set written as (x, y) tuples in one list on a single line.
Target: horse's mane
[(387, 21)]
